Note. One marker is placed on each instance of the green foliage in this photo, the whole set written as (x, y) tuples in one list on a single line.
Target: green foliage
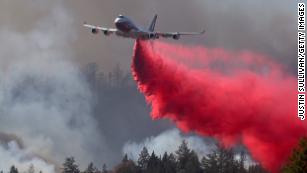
[(298, 160)]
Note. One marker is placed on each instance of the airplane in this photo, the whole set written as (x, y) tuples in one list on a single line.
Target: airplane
[(125, 27)]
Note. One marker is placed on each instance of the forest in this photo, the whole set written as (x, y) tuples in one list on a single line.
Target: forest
[(184, 160)]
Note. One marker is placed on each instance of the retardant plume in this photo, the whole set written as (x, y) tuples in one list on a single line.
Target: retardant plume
[(234, 97)]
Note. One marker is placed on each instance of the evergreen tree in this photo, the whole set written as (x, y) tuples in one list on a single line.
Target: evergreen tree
[(13, 169), (222, 161), (90, 168), (110, 79), (193, 165), (118, 75), (168, 163), (31, 169), (143, 159), (154, 164), (209, 163), (90, 73), (104, 168), (127, 166), (298, 160), (187, 160), (227, 162), (256, 169), (70, 166), (125, 158), (241, 162), (183, 154), (101, 80)]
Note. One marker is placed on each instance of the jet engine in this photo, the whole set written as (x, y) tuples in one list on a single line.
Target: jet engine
[(106, 32), (153, 36), (176, 37), (95, 31)]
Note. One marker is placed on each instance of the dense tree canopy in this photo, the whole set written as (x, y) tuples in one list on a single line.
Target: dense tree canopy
[(70, 166), (184, 160), (143, 159), (298, 160)]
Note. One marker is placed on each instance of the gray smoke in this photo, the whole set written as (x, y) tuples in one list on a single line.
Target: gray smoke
[(13, 152), (6, 138), (44, 101), (168, 141), (23, 159)]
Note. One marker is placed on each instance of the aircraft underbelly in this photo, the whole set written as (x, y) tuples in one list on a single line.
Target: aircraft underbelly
[(126, 34)]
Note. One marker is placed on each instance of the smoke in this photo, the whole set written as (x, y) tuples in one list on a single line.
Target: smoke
[(168, 141), (251, 101), (6, 138), (37, 32), (13, 152), (44, 101), (14, 155)]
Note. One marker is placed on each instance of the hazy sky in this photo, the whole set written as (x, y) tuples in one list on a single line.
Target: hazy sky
[(262, 26)]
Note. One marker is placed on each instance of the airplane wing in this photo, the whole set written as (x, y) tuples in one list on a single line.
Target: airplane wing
[(96, 29), (176, 35)]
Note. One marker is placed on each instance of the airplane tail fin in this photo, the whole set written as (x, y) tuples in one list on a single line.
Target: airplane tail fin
[(153, 24)]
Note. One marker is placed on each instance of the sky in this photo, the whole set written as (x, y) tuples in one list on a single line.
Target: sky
[(44, 41)]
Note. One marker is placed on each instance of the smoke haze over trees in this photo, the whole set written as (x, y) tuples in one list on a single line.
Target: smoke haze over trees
[(55, 102), (183, 160)]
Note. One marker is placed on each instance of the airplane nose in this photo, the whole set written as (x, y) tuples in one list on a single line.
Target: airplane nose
[(117, 20)]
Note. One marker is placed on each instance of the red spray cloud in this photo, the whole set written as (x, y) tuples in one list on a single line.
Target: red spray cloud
[(233, 97)]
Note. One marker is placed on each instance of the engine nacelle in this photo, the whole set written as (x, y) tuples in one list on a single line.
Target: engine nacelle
[(106, 33), (95, 31), (153, 36), (176, 37)]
